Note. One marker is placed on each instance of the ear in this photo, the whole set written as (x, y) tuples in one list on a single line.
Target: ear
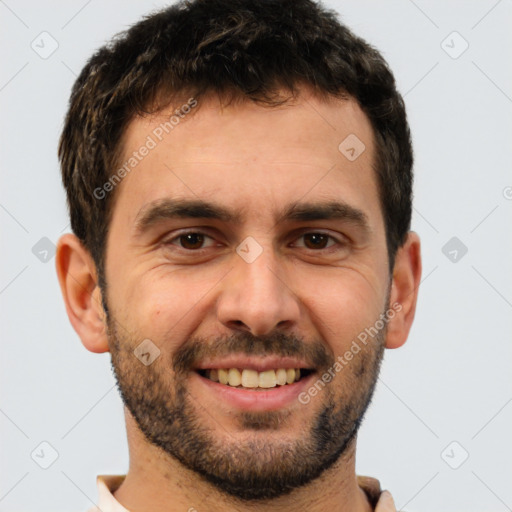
[(82, 295), (404, 290)]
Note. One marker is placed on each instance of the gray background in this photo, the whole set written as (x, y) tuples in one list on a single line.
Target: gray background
[(452, 379)]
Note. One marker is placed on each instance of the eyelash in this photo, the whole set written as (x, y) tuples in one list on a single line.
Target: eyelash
[(340, 243)]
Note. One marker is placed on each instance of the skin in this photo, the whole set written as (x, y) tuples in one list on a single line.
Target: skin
[(258, 160)]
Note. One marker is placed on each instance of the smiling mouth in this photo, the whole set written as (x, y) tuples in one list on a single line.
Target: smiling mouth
[(245, 378)]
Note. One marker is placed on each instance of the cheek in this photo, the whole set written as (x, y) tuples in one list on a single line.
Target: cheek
[(162, 305), (342, 307)]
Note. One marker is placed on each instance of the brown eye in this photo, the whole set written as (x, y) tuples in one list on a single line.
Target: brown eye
[(316, 240), (191, 240)]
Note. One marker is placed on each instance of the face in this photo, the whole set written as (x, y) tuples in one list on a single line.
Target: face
[(247, 241)]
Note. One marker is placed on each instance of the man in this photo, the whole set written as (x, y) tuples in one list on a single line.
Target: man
[(239, 181)]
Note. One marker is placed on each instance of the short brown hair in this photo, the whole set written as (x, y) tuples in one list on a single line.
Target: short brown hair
[(250, 49)]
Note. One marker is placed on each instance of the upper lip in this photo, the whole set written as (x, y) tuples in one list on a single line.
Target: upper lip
[(260, 364)]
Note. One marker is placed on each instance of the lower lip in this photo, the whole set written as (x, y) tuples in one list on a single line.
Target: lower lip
[(251, 400)]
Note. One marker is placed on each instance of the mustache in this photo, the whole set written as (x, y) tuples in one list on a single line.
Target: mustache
[(195, 350)]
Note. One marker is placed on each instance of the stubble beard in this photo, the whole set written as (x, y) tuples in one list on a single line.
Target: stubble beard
[(254, 462)]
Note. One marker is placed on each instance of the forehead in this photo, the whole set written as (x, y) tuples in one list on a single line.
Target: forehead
[(249, 156)]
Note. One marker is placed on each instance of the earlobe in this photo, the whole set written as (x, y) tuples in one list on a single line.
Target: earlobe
[(404, 290), (82, 296)]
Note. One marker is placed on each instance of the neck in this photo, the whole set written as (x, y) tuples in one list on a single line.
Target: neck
[(158, 482)]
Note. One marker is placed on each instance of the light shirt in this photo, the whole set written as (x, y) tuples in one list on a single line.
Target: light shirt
[(108, 484)]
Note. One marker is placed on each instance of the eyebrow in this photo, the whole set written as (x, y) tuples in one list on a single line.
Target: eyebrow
[(165, 209)]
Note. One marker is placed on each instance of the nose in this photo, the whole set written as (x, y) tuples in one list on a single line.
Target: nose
[(257, 296)]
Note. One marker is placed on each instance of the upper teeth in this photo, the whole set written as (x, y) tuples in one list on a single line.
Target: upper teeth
[(253, 379)]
